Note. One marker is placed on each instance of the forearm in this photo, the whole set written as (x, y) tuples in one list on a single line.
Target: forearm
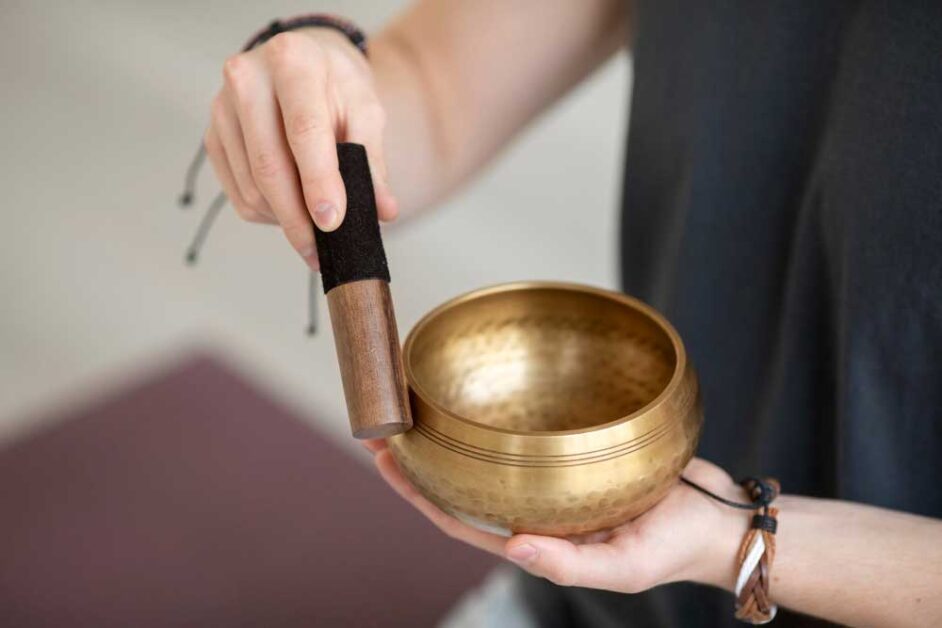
[(459, 79), (410, 137), (851, 563)]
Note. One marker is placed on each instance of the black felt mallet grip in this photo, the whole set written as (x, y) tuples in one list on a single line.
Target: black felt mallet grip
[(354, 250), (356, 281)]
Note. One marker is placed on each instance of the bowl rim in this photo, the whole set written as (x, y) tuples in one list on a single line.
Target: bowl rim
[(659, 319)]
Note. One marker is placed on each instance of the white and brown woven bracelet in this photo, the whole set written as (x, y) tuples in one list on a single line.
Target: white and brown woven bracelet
[(757, 552)]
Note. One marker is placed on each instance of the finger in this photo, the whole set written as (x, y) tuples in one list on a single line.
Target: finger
[(226, 123), (308, 124), (374, 445), (595, 565), (446, 523), (269, 157), (366, 122), (220, 164), (590, 537)]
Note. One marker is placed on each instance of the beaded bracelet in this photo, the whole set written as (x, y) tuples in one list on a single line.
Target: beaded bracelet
[(354, 34)]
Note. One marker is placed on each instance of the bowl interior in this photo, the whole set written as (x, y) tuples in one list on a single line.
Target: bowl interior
[(540, 358)]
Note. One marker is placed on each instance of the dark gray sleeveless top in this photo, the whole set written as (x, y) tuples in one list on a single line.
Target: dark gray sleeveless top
[(783, 207)]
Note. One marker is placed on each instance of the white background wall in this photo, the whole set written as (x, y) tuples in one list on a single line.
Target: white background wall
[(101, 107)]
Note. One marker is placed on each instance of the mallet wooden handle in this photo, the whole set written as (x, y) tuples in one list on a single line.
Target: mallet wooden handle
[(356, 281)]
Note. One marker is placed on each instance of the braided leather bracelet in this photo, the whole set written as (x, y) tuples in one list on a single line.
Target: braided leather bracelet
[(756, 554), (753, 604)]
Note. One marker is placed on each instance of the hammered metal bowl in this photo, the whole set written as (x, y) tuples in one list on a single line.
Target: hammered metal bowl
[(547, 408)]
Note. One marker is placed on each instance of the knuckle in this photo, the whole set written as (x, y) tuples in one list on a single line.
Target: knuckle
[(318, 177), (267, 166), (304, 124), (246, 213), (234, 70), (252, 197), (286, 47)]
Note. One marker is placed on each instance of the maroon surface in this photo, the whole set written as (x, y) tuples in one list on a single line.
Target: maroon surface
[(192, 500)]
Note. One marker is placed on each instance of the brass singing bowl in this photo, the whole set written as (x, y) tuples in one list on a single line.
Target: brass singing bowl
[(547, 408)]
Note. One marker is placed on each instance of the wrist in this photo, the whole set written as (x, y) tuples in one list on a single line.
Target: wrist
[(716, 563), (720, 565)]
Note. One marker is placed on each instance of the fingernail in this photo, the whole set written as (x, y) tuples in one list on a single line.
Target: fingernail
[(391, 206), (325, 215), (522, 554), (310, 256)]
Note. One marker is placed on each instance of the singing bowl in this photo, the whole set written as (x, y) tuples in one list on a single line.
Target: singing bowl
[(547, 408)]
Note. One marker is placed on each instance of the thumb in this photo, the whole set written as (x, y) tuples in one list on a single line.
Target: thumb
[(564, 563)]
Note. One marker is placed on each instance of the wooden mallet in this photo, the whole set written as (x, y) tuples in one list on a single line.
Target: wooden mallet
[(356, 281)]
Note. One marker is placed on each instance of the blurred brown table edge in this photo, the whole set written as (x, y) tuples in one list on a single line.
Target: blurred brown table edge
[(192, 499)]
